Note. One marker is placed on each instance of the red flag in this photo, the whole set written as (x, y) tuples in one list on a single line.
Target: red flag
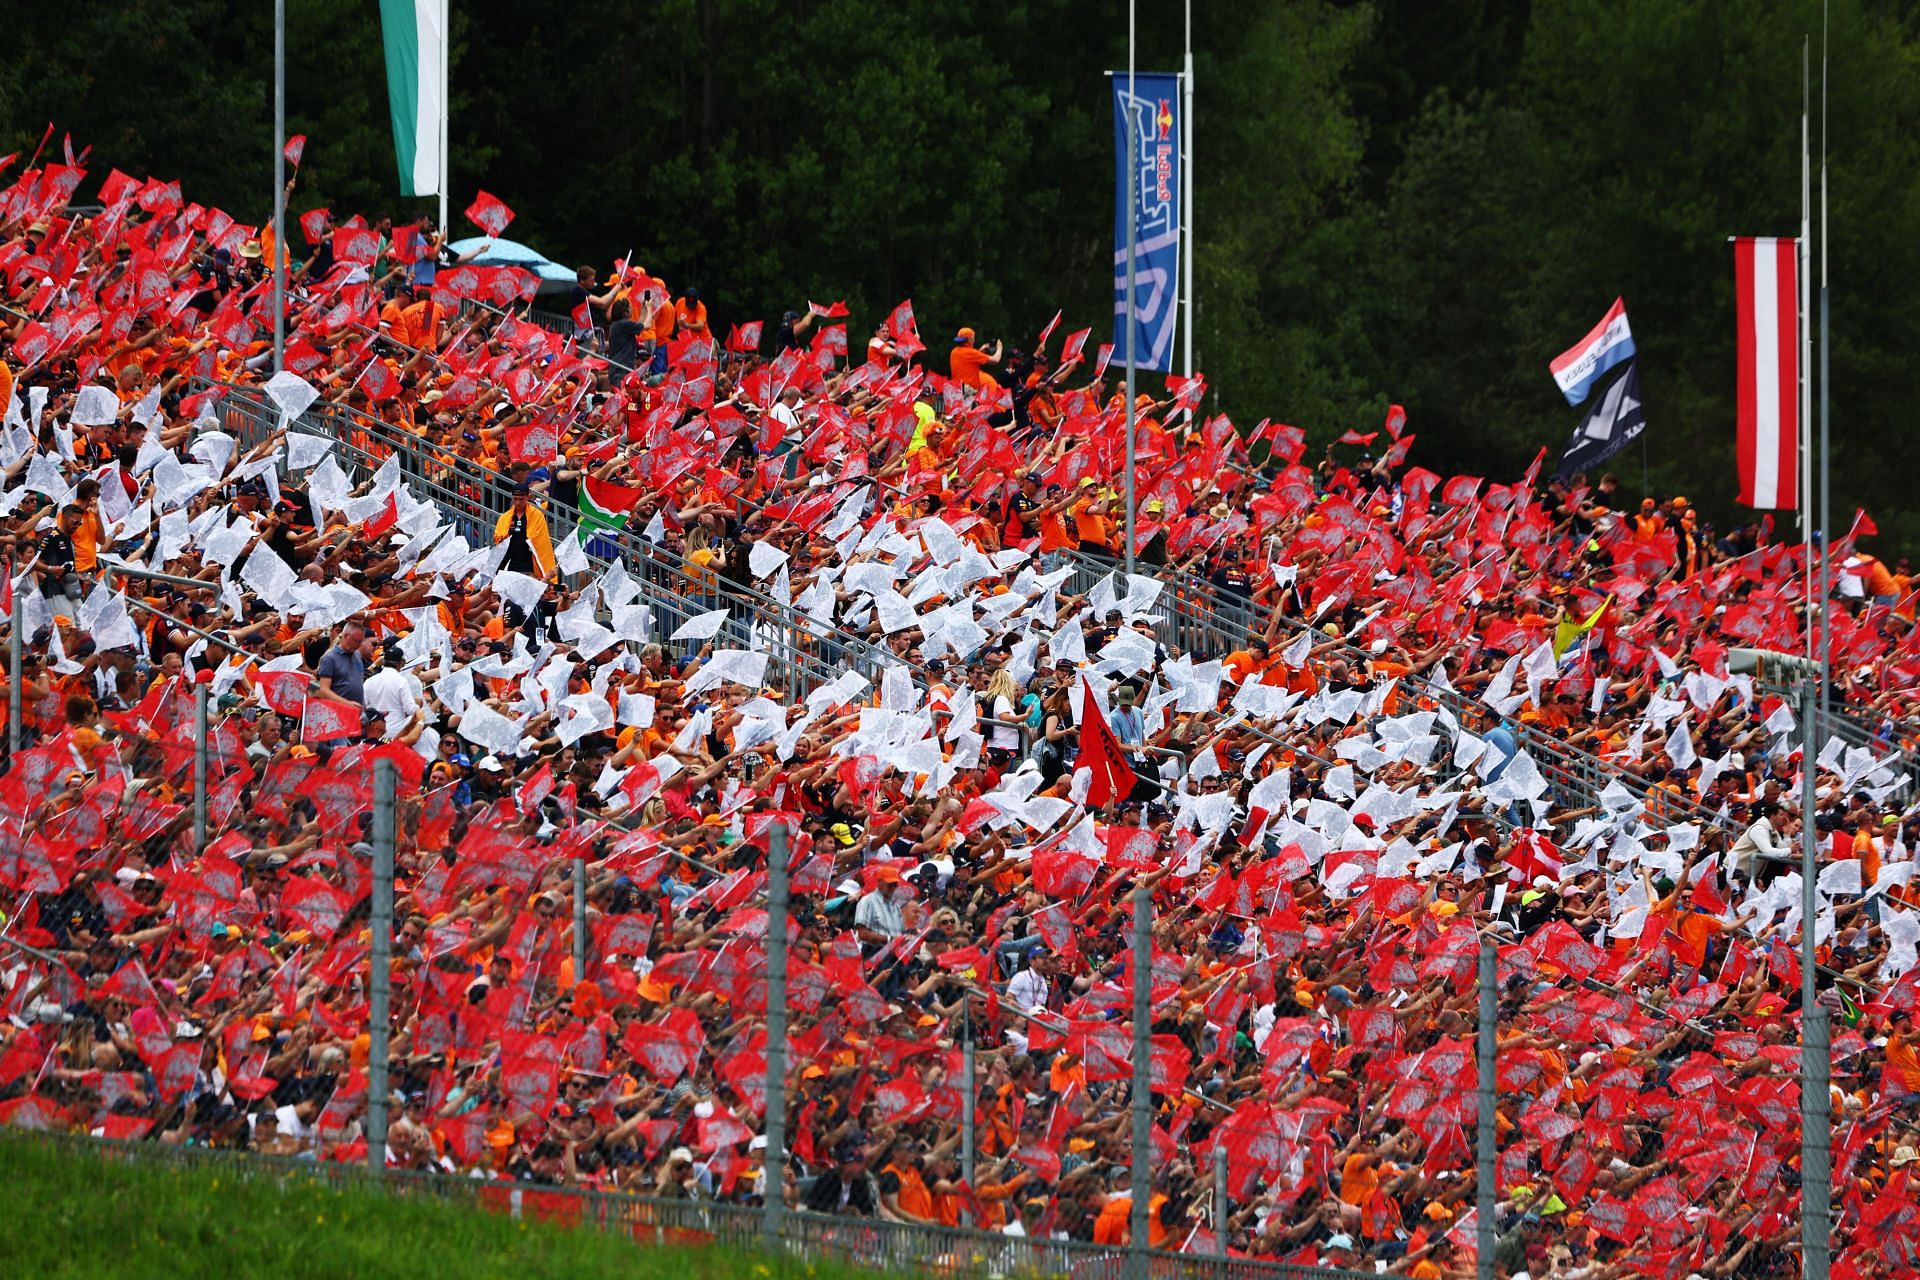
[(1863, 525), (356, 244), (295, 148), (379, 382), (1100, 753), (534, 443), (1533, 855), (745, 338), (489, 213), (313, 224), (314, 905), (838, 311), (904, 332), (33, 343), (1076, 345), (1047, 332), (1355, 437), (1766, 286), (324, 720), (1707, 895), (1396, 420), (384, 519)]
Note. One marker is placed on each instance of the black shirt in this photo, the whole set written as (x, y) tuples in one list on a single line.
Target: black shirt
[(623, 343), (1020, 509), (56, 558), (519, 550)]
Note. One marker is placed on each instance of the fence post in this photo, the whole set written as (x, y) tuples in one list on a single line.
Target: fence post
[(579, 919), (201, 684), (1220, 1195), (1485, 1164), (1140, 1175), (1816, 1063), (968, 1095), (380, 924), (14, 657), (772, 1175)]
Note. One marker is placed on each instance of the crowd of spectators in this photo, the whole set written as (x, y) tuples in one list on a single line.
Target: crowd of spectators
[(1331, 806)]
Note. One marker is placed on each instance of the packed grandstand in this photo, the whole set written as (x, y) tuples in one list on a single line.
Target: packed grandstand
[(612, 585)]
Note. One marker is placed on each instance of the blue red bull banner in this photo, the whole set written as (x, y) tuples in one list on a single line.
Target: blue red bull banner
[(1152, 165)]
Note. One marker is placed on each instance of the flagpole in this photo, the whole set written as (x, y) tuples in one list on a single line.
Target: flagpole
[(1806, 327), (446, 105), (1133, 180), (1140, 1171), (1186, 199), (1816, 1158), (279, 264)]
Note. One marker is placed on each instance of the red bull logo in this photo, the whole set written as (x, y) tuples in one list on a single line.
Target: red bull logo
[(1164, 117)]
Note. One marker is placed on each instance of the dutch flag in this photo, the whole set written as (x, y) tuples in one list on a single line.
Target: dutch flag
[(1576, 369)]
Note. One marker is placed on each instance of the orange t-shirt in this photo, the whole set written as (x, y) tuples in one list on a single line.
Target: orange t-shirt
[(1090, 526), (969, 369), (1358, 1180)]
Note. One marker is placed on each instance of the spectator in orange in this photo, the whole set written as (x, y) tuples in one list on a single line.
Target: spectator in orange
[(969, 363)]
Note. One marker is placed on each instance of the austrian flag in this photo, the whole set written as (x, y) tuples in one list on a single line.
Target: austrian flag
[(1767, 339)]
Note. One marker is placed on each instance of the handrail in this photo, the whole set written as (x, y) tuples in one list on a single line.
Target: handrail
[(476, 500), (1204, 612)]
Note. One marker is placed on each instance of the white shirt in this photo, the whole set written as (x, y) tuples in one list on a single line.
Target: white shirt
[(876, 913), (1028, 989), (1756, 839), (394, 694), (1003, 737)]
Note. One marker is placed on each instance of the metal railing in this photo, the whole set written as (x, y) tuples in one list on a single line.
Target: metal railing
[(1204, 621), (808, 652), (901, 1248)]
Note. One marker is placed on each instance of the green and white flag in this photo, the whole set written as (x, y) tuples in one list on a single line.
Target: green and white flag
[(416, 39), (604, 505)]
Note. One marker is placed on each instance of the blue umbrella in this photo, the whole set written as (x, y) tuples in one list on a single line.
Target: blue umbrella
[(511, 253)]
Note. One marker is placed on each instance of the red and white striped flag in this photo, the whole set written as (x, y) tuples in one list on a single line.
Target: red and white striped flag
[(1767, 288)]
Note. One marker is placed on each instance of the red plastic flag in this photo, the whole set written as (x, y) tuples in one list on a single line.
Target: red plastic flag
[(356, 244), (837, 311), (1396, 420), (1047, 332), (904, 332), (1075, 347), (314, 905), (295, 148), (324, 720), (489, 213), (1355, 437), (1113, 777), (745, 338), (313, 224)]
